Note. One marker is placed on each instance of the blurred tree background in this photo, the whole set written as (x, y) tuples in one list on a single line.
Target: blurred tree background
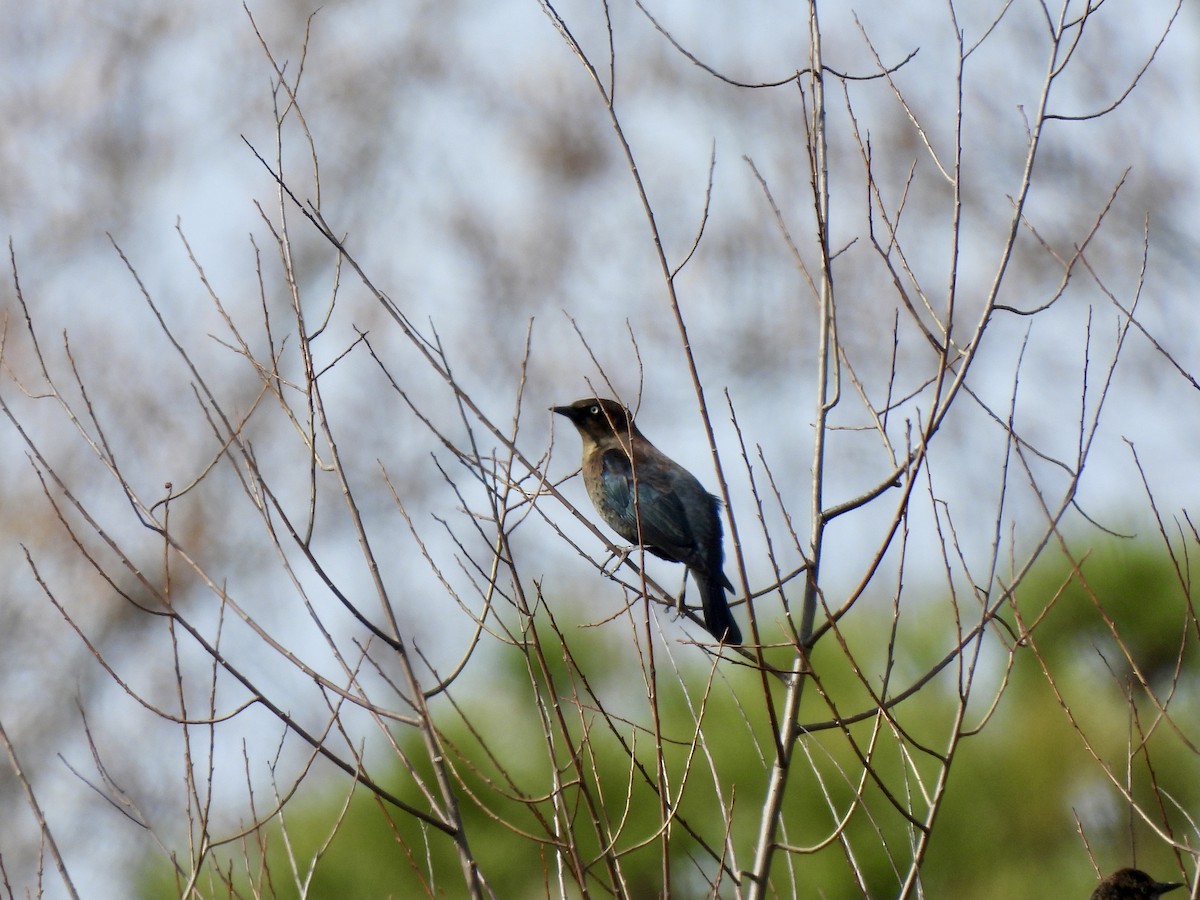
[(165, 435), (1008, 828)]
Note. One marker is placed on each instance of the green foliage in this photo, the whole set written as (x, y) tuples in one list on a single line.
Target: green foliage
[(1006, 829)]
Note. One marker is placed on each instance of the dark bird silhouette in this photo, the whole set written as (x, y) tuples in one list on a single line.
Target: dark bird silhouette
[(1132, 884), (632, 483)]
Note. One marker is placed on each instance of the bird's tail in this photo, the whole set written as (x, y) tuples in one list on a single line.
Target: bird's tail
[(717, 617)]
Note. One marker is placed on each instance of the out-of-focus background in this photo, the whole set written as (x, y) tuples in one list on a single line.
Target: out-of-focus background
[(472, 170)]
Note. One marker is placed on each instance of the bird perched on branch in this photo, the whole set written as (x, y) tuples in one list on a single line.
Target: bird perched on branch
[(649, 499), (1132, 884)]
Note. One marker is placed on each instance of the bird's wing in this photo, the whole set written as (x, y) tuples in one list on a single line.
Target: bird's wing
[(664, 522)]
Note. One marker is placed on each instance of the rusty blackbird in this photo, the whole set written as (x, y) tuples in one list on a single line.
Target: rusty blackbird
[(1132, 884), (649, 499)]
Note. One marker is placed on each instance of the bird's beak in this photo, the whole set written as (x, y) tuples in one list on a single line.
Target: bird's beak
[(562, 410)]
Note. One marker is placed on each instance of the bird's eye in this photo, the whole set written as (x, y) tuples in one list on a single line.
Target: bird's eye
[(595, 410)]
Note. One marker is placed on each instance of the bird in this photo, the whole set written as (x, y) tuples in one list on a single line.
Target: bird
[(649, 499), (1132, 884)]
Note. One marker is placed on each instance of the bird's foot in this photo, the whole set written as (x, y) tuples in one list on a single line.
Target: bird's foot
[(616, 560), (680, 604)]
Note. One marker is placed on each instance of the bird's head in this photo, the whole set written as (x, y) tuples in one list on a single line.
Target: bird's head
[(1132, 884), (599, 420)]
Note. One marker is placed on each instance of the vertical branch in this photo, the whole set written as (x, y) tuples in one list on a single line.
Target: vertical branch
[(827, 341), (789, 726)]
